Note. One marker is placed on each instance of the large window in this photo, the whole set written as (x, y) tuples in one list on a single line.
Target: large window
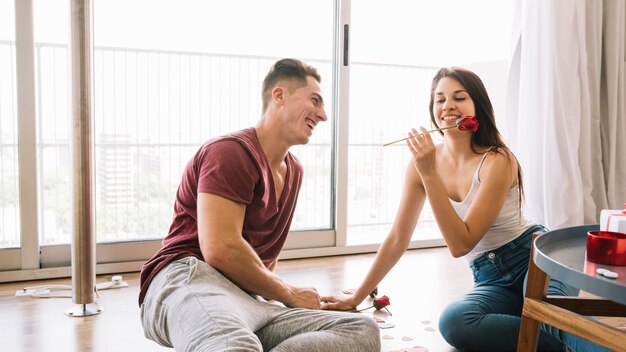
[(189, 74), (171, 74), (396, 48), (51, 21), (186, 74), (9, 185)]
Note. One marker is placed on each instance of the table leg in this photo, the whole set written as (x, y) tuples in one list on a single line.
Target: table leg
[(536, 287)]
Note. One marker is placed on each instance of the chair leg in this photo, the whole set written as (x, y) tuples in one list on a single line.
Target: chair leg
[(536, 287)]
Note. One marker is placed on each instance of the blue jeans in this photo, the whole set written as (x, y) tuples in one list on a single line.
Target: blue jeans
[(488, 317)]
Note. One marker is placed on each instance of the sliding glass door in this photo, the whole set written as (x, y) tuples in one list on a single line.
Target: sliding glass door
[(9, 170), (169, 75), (396, 48), (191, 72)]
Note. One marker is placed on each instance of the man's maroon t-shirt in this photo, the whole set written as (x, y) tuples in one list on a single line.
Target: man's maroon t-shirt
[(234, 167)]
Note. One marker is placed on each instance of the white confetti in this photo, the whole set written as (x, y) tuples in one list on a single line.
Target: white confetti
[(610, 274)]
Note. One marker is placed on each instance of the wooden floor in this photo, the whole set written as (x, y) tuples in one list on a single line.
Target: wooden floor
[(419, 287)]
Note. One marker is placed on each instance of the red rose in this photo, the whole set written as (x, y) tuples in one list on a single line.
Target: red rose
[(379, 303), (465, 123), (382, 302), (468, 123)]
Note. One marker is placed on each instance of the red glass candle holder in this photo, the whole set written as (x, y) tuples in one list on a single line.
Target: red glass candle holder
[(606, 247)]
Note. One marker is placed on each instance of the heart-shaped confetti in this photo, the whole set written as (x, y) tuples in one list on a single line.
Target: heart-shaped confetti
[(412, 349)]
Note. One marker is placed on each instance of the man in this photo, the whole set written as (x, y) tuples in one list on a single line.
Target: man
[(233, 209)]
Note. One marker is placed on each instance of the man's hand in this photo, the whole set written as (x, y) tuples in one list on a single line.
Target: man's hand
[(306, 297)]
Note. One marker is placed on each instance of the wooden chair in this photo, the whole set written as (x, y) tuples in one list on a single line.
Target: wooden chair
[(566, 314)]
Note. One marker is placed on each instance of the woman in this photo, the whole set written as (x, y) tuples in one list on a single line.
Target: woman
[(474, 185)]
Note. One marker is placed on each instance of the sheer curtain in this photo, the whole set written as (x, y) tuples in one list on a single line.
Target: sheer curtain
[(566, 110)]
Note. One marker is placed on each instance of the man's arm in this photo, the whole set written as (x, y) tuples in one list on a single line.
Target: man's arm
[(220, 222), (273, 265)]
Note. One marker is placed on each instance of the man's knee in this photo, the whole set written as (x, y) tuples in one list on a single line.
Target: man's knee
[(368, 332), (234, 340)]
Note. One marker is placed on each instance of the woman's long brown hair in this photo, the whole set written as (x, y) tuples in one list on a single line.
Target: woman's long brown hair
[(487, 135)]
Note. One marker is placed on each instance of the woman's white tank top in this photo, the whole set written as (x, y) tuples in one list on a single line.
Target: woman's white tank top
[(508, 225)]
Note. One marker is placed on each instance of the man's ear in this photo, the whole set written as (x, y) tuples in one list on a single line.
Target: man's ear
[(278, 95)]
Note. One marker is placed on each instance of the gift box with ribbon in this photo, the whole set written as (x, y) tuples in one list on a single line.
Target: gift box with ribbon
[(613, 220)]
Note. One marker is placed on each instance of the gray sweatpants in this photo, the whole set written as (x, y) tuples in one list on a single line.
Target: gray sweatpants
[(192, 307)]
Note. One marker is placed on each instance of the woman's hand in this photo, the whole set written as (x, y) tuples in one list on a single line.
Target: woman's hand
[(339, 303), (423, 149)]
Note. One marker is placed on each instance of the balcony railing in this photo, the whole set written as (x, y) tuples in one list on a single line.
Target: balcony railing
[(153, 109)]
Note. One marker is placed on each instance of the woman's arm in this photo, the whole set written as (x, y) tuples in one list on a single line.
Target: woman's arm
[(394, 245), (497, 175)]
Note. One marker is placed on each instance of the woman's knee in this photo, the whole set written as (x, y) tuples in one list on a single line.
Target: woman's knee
[(558, 288), (454, 325)]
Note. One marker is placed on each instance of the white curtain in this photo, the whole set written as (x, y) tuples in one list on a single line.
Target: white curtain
[(566, 108)]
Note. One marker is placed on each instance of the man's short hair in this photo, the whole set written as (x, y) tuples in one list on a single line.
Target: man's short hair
[(292, 70)]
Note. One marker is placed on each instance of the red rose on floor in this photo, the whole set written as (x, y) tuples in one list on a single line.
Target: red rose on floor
[(379, 303), (382, 302)]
